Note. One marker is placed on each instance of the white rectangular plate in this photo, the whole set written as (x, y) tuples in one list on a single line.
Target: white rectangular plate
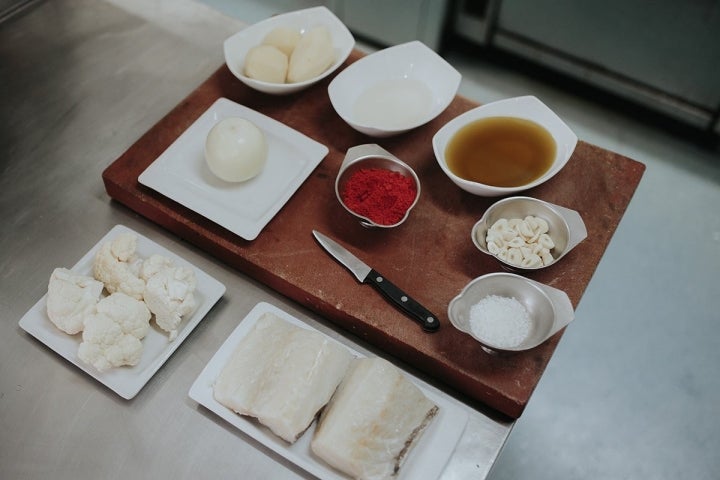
[(181, 172), (125, 381), (426, 460)]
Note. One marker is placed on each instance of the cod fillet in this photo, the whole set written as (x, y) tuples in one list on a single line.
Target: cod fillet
[(282, 375), (373, 421)]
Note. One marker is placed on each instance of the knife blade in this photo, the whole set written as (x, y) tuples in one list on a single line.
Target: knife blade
[(366, 274)]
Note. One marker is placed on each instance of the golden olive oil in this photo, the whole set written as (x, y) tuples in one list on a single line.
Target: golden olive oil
[(501, 151)]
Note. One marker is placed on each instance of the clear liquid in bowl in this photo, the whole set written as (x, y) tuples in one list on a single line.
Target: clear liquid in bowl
[(393, 104)]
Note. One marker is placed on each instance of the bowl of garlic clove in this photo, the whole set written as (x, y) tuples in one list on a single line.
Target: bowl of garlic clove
[(525, 233), (289, 52)]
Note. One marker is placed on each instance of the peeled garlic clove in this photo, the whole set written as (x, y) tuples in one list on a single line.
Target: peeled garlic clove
[(546, 257), (514, 256), (531, 222), (509, 235), (496, 238), (531, 261), (525, 229), (500, 225), (543, 226), (514, 223), (546, 241), (516, 242)]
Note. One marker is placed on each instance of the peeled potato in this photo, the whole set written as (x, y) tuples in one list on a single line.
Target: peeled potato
[(267, 64), (236, 149), (283, 38), (312, 56)]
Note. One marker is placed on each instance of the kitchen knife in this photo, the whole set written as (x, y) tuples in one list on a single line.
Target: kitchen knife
[(366, 274)]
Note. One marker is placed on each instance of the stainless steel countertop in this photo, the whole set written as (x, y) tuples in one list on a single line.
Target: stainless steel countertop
[(81, 81)]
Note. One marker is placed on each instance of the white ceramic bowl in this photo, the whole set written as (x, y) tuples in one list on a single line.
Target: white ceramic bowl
[(528, 108), (394, 90), (237, 46)]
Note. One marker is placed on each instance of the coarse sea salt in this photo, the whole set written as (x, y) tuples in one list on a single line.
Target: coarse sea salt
[(500, 321)]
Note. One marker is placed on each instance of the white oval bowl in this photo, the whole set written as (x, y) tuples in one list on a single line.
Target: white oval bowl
[(237, 46), (528, 108), (412, 61)]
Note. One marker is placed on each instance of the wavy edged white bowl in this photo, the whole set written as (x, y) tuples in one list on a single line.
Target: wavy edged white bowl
[(237, 46), (528, 108), (413, 61)]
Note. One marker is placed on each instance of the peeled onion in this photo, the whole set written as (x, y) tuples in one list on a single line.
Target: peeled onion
[(235, 150)]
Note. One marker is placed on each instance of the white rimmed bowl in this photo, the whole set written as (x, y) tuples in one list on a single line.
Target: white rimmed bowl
[(237, 46), (528, 108), (549, 309), (394, 90), (566, 227)]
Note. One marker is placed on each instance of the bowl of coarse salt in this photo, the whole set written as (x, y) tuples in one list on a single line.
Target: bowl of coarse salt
[(508, 312)]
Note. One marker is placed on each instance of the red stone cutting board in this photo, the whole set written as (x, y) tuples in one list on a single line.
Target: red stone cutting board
[(430, 255)]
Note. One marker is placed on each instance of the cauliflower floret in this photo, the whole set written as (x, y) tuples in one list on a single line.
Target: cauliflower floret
[(117, 266), (132, 315), (112, 333), (70, 297), (105, 345), (153, 265), (169, 296)]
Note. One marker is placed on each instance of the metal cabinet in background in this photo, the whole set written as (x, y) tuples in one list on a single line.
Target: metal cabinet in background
[(8, 8), (665, 55), (394, 22)]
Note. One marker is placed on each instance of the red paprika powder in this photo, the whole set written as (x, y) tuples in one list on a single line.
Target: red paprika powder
[(381, 195)]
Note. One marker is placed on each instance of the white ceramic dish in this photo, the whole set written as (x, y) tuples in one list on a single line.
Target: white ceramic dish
[(181, 172), (426, 460), (237, 46), (394, 90), (125, 381), (527, 107)]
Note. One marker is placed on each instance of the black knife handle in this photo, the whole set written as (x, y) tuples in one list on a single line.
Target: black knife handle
[(402, 300)]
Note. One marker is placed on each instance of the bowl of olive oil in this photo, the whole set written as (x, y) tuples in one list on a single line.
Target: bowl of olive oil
[(504, 147)]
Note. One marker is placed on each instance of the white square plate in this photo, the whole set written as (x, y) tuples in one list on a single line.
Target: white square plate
[(181, 172), (426, 460), (125, 381)]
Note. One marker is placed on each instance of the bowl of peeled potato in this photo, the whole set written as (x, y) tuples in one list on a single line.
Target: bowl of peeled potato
[(289, 52)]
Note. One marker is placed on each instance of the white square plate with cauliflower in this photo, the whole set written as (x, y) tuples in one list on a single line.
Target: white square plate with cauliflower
[(96, 317)]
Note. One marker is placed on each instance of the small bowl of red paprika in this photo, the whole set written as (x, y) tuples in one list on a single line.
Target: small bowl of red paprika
[(376, 187)]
